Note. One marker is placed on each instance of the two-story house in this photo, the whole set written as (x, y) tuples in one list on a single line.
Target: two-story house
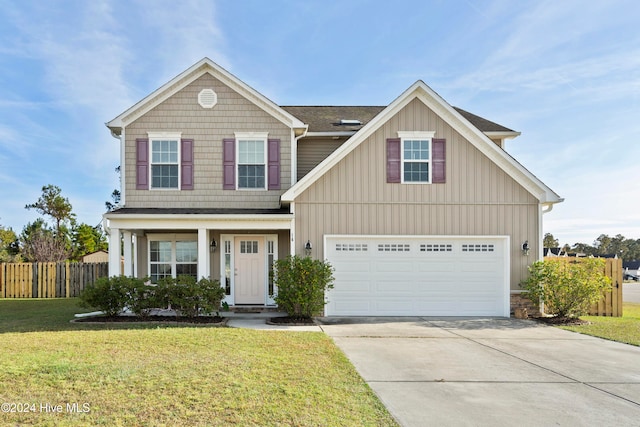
[(416, 204)]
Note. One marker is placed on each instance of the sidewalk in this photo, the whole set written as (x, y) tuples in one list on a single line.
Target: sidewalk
[(259, 321)]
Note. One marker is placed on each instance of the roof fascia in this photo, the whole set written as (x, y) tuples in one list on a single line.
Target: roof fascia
[(179, 82), (432, 100), (343, 133), (502, 134)]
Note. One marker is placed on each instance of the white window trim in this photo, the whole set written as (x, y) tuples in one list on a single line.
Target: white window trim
[(173, 238), (252, 136), (416, 135), (165, 136)]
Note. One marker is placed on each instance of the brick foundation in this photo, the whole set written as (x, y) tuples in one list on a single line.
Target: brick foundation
[(520, 301)]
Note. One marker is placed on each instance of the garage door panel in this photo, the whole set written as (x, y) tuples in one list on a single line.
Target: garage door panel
[(418, 275), (435, 266)]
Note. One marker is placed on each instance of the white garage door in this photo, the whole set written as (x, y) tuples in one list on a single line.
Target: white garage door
[(418, 276)]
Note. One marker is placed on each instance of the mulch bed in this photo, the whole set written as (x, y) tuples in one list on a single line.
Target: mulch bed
[(134, 319), (561, 321), (291, 321)]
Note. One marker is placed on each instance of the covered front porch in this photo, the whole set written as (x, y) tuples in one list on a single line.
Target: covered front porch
[(237, 248)]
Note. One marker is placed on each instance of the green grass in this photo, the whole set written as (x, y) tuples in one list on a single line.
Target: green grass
[(624, 329), (173, 375)]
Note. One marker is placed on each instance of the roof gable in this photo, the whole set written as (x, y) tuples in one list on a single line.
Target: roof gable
[(188, 76), (419, 90)]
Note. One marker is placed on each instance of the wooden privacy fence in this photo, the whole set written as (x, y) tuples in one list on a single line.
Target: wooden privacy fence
[(611, 302), (48, 279)]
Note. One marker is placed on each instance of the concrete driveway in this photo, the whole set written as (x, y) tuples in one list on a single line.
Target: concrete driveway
[(491, 372), (631, 292)]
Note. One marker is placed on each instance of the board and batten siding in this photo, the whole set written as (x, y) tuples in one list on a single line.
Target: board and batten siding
[(207, 128), (478, 198)]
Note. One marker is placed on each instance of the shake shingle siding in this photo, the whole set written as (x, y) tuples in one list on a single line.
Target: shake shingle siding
[(207, 128)]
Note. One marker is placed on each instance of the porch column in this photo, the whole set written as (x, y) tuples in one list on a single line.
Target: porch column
[(203, 254), (114, 252), (135, 255), (128, 259)]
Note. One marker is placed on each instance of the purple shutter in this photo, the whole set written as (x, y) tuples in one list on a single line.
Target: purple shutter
[(393, 160), (273, 164), (142, 164), (438, 160), (229, 164), (186, 164)]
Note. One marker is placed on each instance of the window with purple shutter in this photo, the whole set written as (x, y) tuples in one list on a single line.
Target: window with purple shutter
[(438, 160), (186, 160), (142, 164), (273, 164), (393, 160), (229, 164)]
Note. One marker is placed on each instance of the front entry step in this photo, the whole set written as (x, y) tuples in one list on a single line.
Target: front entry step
[(253, 309)]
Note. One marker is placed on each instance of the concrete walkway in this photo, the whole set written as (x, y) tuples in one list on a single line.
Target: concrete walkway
[(259, 321), (491, 372)]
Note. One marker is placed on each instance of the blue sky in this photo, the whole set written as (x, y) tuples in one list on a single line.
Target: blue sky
[(564, 73)]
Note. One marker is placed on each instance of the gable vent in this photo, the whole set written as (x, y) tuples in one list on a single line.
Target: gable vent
[(207, 98)]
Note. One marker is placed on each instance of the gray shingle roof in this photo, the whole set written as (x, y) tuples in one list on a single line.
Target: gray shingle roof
[(327, 118)]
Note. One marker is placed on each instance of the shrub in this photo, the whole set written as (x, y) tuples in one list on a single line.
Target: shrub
[(567, 287), (107, 294), (301, 284), (142, 297), (188, 297)]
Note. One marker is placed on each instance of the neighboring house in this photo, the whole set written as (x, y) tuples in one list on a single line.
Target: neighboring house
[(631, 267), (416, 204), (97, 256)]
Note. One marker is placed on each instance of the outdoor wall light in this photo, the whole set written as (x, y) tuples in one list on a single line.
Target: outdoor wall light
[(307, 248), (525, 247), (213, 245)]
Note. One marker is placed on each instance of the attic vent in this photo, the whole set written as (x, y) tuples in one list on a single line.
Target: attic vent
[(349, 122), (207, 98)]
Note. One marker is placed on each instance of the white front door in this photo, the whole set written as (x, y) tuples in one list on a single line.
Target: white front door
[(249, 270)]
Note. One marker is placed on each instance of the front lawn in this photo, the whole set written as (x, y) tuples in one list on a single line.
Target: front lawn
[(171, 375), (624, 329)]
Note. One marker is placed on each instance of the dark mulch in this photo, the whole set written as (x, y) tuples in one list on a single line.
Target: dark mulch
[(562, 321), (135, 319), (291, 321)]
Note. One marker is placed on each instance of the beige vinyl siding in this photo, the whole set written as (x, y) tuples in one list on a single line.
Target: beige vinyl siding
[(478, 198), (312, 151), (207, 127)]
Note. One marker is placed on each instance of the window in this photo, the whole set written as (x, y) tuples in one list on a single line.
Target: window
[(160, 260), (165, 160), (415, 160), (251, 163), (172, 258), (416, 157)]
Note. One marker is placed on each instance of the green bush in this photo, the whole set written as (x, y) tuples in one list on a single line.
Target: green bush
[(567, 288), (142, 297), (189, 297), (301, 284), (183, 294), (107, 294)]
